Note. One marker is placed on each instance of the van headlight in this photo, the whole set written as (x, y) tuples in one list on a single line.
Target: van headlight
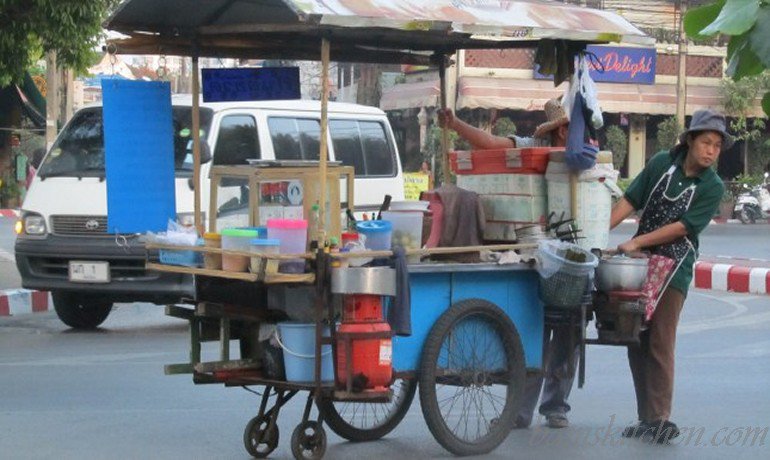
[(187, 219), (33, 224)]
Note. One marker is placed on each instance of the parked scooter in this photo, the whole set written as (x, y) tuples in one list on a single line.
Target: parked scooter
[(753, 204)]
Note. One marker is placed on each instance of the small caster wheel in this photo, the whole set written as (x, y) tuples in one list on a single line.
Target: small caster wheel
[(258, 438), (308, 441)]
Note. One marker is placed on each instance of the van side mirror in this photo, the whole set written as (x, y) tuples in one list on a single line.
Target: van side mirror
[(205, 152)]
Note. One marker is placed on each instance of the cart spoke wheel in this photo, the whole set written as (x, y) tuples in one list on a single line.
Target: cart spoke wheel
[(308, 441), (471, 377), (259, 438), (364, 421)]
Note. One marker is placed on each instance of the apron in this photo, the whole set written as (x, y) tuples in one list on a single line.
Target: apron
[(659, 211)]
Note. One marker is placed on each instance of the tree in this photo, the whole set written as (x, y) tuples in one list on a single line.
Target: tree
[(617, 143), (668, 132), (738, 98), (71, 28), (747, 22)]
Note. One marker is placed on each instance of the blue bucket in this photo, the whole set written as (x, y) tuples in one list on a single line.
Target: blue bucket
[(298, 343)]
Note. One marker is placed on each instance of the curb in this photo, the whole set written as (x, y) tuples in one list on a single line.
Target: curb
[(12, 213), (734, 278), (22, 301)]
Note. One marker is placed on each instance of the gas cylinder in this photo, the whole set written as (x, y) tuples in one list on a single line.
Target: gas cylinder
[(371, 359), (364, 344)]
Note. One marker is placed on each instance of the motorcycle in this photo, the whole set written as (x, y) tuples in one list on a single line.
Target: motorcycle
[(754, 203)]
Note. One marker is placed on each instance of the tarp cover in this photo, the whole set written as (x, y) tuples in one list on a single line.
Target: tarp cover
[(373, 27)]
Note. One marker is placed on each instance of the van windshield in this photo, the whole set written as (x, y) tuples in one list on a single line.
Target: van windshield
[(79, 150)]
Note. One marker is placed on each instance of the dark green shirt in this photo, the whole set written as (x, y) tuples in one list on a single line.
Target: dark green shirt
[(708, 193)]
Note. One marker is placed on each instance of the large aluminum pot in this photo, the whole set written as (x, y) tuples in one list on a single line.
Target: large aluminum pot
[(621, 273)]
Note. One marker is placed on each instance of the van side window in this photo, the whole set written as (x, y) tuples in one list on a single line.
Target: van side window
[(237, 141), (363, 145), (295, 138)]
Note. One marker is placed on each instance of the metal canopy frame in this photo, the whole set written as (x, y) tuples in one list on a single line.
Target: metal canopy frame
[(375, 31)]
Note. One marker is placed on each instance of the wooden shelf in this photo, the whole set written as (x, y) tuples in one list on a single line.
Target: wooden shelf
[(303, 278)]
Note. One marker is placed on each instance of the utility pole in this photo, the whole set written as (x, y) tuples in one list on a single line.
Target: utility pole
[(681, 79), (51, 99)]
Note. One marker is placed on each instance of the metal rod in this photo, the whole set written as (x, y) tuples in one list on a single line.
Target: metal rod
[(196, 123), (445, 130), (324, 134)]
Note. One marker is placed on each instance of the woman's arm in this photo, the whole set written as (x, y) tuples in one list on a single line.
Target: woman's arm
[(477, 137), (664, 234), (620, 211)]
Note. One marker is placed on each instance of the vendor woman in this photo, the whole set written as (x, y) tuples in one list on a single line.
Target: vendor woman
[(678, 193)]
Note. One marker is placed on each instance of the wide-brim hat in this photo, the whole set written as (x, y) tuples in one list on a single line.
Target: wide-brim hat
[(708, 120), (556, 116)]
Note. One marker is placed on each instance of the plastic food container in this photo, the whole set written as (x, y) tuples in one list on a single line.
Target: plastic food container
[(212, 261), (376, 233), (265, 246), (236, 239), (261, 231), (407, 230), (292, 233)]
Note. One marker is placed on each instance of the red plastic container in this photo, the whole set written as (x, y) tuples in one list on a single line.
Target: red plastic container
[(371, 359), (501, 161), (362, 308)]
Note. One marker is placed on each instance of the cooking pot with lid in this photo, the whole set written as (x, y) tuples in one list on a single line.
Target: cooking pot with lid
[(621, 273)]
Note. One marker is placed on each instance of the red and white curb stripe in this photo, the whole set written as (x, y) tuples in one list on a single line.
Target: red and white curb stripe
[(735, 278), (12, 213), (22, 301)]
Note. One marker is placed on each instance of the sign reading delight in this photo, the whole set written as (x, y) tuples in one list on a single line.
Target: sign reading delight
[(620, 65)]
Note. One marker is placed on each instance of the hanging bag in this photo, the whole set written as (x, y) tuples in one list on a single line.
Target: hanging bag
[(582, 146)]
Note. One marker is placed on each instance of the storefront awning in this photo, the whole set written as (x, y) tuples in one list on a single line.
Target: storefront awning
[(411, 95), (522, 94)]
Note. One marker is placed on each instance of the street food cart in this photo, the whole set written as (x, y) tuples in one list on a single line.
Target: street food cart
[(476, 328)]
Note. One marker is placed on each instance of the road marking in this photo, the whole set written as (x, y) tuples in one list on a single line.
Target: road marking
[(6, 256), (748, 350), (736, 318)]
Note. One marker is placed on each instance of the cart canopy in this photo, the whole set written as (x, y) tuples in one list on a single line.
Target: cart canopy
[(406, 31)]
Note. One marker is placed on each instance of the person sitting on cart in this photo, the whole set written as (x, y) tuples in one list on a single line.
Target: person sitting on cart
[(678, 192), (559, 358)]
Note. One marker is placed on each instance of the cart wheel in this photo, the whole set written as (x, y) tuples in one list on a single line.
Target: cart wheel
[(308, 441), (362, 421), (471, 377), (258, 438)]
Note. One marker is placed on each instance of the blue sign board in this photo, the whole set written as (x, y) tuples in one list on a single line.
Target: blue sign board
[(620, 65), (139, 155), (251, 84)]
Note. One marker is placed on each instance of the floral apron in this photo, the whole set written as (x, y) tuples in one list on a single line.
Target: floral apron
[(659, 211)]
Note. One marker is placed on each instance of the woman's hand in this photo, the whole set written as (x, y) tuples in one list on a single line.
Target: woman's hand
[(446, 118), (629, 247)]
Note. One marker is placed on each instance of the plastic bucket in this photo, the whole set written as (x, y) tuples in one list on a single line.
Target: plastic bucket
[(377, 234), (298, 343), (262, 264)]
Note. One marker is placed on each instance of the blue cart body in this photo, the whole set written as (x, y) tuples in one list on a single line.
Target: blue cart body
[(435, 288)]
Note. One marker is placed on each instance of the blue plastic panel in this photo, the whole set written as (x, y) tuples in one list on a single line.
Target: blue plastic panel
[(139, 156), (514, 291)]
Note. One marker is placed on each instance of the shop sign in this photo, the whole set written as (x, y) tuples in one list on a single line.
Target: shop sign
[(620, 64), (250, 84)]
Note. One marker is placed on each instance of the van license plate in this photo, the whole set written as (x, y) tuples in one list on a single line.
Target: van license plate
[(89, 272)]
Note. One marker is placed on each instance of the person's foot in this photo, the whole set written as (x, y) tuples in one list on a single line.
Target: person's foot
[(661, 431), (557, 420), (636, 430)]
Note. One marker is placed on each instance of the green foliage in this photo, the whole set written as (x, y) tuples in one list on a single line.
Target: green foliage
[(747, 22), (668, 132), (749, 180), (504, 127), (30, 28), (617, 143), (9, 189)]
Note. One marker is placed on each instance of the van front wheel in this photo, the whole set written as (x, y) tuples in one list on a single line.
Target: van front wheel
[(80, 312)]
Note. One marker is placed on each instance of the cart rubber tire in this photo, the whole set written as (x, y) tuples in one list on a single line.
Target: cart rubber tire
[(80, 312), (308, 441), (258, 440), (338, 415), (472, 384)]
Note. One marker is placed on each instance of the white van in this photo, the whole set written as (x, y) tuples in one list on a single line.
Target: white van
[(64, 215)]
